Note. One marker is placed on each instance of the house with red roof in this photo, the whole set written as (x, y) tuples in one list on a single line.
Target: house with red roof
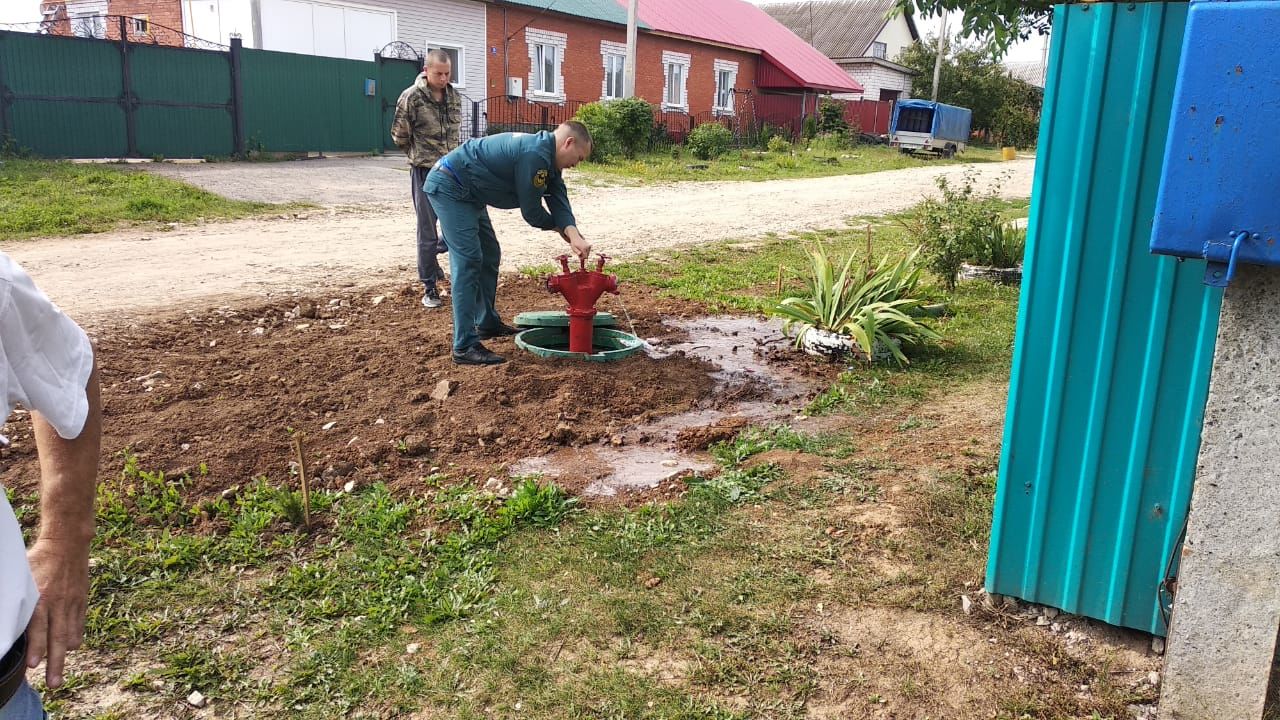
[(697, 60)]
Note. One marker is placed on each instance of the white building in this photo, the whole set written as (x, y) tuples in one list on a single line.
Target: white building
[(860, 36)]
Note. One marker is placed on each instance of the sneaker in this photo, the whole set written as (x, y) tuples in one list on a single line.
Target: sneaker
[(503, 330), (477, 355), (431, 298)]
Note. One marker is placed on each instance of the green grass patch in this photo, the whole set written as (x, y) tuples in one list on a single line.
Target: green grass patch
[(753, 164), (47, 198)]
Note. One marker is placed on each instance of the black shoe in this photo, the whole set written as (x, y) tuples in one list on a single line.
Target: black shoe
[(477, 355), (503, 330)]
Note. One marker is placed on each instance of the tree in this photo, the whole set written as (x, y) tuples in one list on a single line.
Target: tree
[(971, 78), (995, 23)]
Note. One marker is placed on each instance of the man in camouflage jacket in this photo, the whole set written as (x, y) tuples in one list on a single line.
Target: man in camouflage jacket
[(426, 128)]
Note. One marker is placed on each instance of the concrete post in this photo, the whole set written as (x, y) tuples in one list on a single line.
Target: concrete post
[(1227, 610)]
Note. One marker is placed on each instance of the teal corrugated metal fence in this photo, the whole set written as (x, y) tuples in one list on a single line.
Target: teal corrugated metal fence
[(61, 96), (1112, 358), (83, 97), (304, 102), (185, 101)]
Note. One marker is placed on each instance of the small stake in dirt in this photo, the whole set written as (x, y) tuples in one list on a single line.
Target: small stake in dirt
[(779, 281), (868, 268), (302, 474)]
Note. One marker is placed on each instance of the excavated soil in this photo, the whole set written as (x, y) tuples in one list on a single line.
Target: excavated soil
[(361, 376)]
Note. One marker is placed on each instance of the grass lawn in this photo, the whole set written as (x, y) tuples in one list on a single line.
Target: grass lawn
[(454, 603), (45, 198), (759, 165)]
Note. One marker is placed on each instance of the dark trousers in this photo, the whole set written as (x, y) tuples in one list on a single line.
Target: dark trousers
[(429, 242), (474, 258)]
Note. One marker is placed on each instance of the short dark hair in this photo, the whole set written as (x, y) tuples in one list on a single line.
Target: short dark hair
[(438, 56), (578, 131)]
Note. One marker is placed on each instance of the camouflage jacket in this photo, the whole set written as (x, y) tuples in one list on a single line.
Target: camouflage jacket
[(424, 129)]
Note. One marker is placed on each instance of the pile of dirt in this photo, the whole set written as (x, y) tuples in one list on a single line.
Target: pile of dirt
[(367, 378)]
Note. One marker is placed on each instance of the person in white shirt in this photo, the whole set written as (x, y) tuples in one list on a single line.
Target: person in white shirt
[(47, 365)]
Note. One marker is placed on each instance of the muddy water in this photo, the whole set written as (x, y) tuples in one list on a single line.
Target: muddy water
[(645, 457)]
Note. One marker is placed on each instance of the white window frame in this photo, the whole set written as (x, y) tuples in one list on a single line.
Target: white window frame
[(882, 48), (94, 11), (721, 67), (670, 61), (144, 20), (534, 38), (459, 68), (612, 52)]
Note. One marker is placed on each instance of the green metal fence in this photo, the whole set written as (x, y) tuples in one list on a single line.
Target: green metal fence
[(84, 97)]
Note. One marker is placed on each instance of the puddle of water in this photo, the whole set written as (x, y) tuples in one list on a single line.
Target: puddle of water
[(736, 345), (609, 471)]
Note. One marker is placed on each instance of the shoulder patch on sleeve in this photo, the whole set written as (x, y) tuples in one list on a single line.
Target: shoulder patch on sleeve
[(540, 179)]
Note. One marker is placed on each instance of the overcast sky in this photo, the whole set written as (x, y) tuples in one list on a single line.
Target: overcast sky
[(15, 11)]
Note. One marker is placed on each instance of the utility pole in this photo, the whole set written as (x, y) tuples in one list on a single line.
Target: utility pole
[(629, 66), (942, 50)]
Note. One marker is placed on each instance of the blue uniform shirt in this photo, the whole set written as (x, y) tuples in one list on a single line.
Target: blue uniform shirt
[(511, 170)]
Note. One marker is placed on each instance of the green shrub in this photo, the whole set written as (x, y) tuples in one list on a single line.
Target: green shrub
[(831, 118), (955, 227), (779, 145), (600, 120), (632, 124), (810, 130), (768, 133), (830, 143), (709, 141)]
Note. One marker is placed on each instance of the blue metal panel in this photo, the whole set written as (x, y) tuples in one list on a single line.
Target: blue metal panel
[(1222, 162), (1114, 344)]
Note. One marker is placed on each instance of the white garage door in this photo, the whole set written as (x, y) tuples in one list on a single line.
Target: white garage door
[(326, 28)]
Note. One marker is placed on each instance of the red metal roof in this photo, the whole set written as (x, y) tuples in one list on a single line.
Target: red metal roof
[(734, 22)]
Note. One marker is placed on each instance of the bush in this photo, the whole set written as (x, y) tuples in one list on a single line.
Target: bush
[(810, 130), (778, 144), (618, 127), (768, 133), (830, 143), (956, 227), (831, 118), (600, 121), (632, 124), (709, 141)]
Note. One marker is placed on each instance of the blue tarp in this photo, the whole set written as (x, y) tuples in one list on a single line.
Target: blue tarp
[(949, 122)]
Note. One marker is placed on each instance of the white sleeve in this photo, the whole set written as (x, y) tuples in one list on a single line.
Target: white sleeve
[(47, 357)]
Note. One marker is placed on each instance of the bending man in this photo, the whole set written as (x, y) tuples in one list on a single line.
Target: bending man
[(506, 171)]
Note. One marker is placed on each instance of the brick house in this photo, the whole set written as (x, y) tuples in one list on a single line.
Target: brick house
[(704, 60), (144, 20), (858, 35)]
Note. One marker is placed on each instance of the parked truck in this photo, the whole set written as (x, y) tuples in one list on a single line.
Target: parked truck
[(925, 126)]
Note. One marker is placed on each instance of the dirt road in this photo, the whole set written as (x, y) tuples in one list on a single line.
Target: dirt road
[(362, 234)]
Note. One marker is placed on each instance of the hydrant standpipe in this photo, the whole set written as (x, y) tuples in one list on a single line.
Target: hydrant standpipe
[(581, 289)]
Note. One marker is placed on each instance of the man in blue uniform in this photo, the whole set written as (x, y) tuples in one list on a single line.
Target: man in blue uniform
[(507, 170)]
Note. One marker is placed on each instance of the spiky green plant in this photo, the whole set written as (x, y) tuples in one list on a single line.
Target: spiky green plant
[(874, 308)]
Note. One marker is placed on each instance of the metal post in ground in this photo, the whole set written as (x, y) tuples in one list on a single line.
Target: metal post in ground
[(237, 98), (127, 100), (6, 97)]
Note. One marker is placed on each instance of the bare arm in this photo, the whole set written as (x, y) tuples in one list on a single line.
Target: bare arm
[(59, 556)]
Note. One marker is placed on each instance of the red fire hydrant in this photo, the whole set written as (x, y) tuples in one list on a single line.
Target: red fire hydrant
[(582, 289)]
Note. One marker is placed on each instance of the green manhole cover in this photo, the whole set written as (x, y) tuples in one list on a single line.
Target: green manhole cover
[(608, 345), (559, 318)]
